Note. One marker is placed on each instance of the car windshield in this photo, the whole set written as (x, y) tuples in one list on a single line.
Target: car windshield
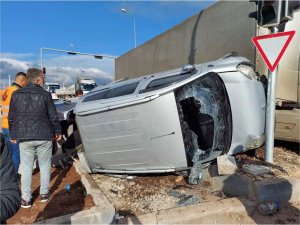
[(88, 87), (52, 88)]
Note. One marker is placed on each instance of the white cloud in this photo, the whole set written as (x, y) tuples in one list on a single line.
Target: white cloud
[(68, 75), (9, 67), (61, 69), (21, 56)]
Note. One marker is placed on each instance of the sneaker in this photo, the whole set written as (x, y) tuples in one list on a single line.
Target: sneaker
[(45, 197), (26, 204)]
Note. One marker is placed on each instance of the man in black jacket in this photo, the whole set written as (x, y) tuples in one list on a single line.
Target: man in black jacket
[(10, 196), (33, 121)]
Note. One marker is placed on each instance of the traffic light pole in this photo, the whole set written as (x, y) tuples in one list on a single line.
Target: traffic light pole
[(97, 56), (270, 114), (41, 58)]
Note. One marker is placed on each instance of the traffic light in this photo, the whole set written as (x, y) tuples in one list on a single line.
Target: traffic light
[(270, 13), (288, 8), (44, 70), (98, 56), (256, 14)]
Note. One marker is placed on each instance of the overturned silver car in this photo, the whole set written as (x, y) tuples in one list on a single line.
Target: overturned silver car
[(162, 122)]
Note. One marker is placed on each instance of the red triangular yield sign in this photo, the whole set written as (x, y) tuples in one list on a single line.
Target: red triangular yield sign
[(271, 47)]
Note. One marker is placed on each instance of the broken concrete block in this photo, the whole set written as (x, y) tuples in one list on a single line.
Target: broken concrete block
[(278, 190), (232, 185), (226, 164), (256, 170)]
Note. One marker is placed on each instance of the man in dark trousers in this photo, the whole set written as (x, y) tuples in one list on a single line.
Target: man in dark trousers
[(33, 121), (10, 196)]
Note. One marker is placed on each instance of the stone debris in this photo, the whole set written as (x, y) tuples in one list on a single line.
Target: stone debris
[(185, 198), (188, 200), (176, 194), (226, 165), (179, 179), (298, 161), (256, 170)]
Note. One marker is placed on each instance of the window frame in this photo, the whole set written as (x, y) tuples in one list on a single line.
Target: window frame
[(154, 79), (110, 89)]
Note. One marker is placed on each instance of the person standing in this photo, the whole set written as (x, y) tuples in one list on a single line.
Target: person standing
[(33, 121), (20, 81)]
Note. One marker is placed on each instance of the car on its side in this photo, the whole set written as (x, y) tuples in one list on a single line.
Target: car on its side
[(168, 121)]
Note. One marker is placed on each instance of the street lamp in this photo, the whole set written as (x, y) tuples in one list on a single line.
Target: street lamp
[(134, 33)]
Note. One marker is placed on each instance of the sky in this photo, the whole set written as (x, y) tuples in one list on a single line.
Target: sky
[(94, 27)]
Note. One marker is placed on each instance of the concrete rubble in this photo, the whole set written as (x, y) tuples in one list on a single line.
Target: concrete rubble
[(246, 188), (226, 164), (256, 169)]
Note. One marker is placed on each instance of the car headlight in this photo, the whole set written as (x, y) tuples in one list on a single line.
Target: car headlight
[(256, 142), (247, 70)]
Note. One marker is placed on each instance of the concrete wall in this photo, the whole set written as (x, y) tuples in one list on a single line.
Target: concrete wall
[(212, 33)]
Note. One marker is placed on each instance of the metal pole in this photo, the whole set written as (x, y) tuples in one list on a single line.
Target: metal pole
[(134, 32), (77, 53), (41, 57), (270, 115)]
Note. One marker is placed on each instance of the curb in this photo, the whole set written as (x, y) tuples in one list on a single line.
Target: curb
[(206, 212), (102, 213)]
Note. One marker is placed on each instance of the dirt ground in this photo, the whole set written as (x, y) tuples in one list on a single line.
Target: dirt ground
[(60, 203), (149, 193), (146, 194)]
